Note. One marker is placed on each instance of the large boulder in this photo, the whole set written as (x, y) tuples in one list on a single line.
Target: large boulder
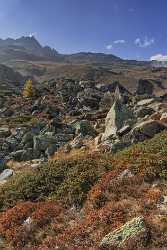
[(145, 87), (145, 102), (118, 117), (133, 231), (143, 111), (49, 142), (22, 155), (146, 129), (28, 137), (84, 128), (89, 97), (5, 175), (164, 117), (4, 132)]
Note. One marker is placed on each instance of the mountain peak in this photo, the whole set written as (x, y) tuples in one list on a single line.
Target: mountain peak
[(29, 42)]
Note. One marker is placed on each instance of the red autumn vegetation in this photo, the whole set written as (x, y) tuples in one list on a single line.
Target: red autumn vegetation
[(110, 202), (15, 229)]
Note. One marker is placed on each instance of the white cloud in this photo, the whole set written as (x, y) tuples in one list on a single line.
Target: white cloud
[(109, 46), (119, 41), (33, 34), (144, 43), (159, 57)]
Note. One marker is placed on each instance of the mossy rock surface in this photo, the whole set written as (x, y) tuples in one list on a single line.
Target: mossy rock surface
[(130, 230)]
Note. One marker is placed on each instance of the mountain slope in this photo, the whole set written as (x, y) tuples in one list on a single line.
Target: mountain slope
[(28, 48), (10, 81)]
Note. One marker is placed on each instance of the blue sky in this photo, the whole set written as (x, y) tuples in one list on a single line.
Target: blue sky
[(133, 29)]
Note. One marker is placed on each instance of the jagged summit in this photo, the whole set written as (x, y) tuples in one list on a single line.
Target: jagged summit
[(24, 41), (25, 48)]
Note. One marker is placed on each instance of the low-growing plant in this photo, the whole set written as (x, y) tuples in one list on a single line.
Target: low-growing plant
[(68, 181), (19, 225)]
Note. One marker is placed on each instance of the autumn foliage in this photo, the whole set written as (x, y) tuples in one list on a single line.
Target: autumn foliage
[(15, 229), (76, 202), (28, 88)]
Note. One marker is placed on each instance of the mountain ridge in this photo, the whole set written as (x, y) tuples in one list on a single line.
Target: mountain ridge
[(29, 48)]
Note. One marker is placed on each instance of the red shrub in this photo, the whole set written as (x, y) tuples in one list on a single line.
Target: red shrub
[(12, 222)]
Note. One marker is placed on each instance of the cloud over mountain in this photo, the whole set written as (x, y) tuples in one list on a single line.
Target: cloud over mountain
[(159, 57), (144, 43), (120, 41), (109, 46)]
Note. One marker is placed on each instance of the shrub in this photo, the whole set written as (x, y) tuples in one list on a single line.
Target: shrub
[(68, 181), (93, 182), (12, 222)]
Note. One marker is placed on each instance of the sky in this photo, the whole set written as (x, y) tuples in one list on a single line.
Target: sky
[(130, 29)]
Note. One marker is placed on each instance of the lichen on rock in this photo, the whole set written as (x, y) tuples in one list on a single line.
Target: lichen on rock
[(131, 229)]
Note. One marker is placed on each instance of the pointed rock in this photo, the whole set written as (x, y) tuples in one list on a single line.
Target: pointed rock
[(118, 116), (117, 94)]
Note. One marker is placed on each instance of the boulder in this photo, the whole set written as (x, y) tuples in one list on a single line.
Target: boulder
[(28, 221), (90, 102), (146, 129), (28, 137), (145, 102), (6, 174), (84, 128), (134, 231), (4, 132), (49, 140), (124, 130), (17, 155), (143, 111), (51, 149), (118, 117), (164, 117), (22, 155), (27, 154), (145, 87), (118, 145)]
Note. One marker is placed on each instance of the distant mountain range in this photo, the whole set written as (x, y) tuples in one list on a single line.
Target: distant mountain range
[(28, 48), (25, 57)]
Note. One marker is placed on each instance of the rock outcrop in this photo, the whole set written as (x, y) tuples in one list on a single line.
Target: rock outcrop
[(118, 117), (132, 230)]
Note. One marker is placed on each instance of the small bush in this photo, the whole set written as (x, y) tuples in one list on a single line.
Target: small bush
[(12, 222), (68, 181)]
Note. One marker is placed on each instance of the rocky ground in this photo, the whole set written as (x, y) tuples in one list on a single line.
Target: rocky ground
[(83, 166)]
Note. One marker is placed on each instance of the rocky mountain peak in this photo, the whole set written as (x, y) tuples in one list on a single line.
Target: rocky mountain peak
[(29, 42)]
